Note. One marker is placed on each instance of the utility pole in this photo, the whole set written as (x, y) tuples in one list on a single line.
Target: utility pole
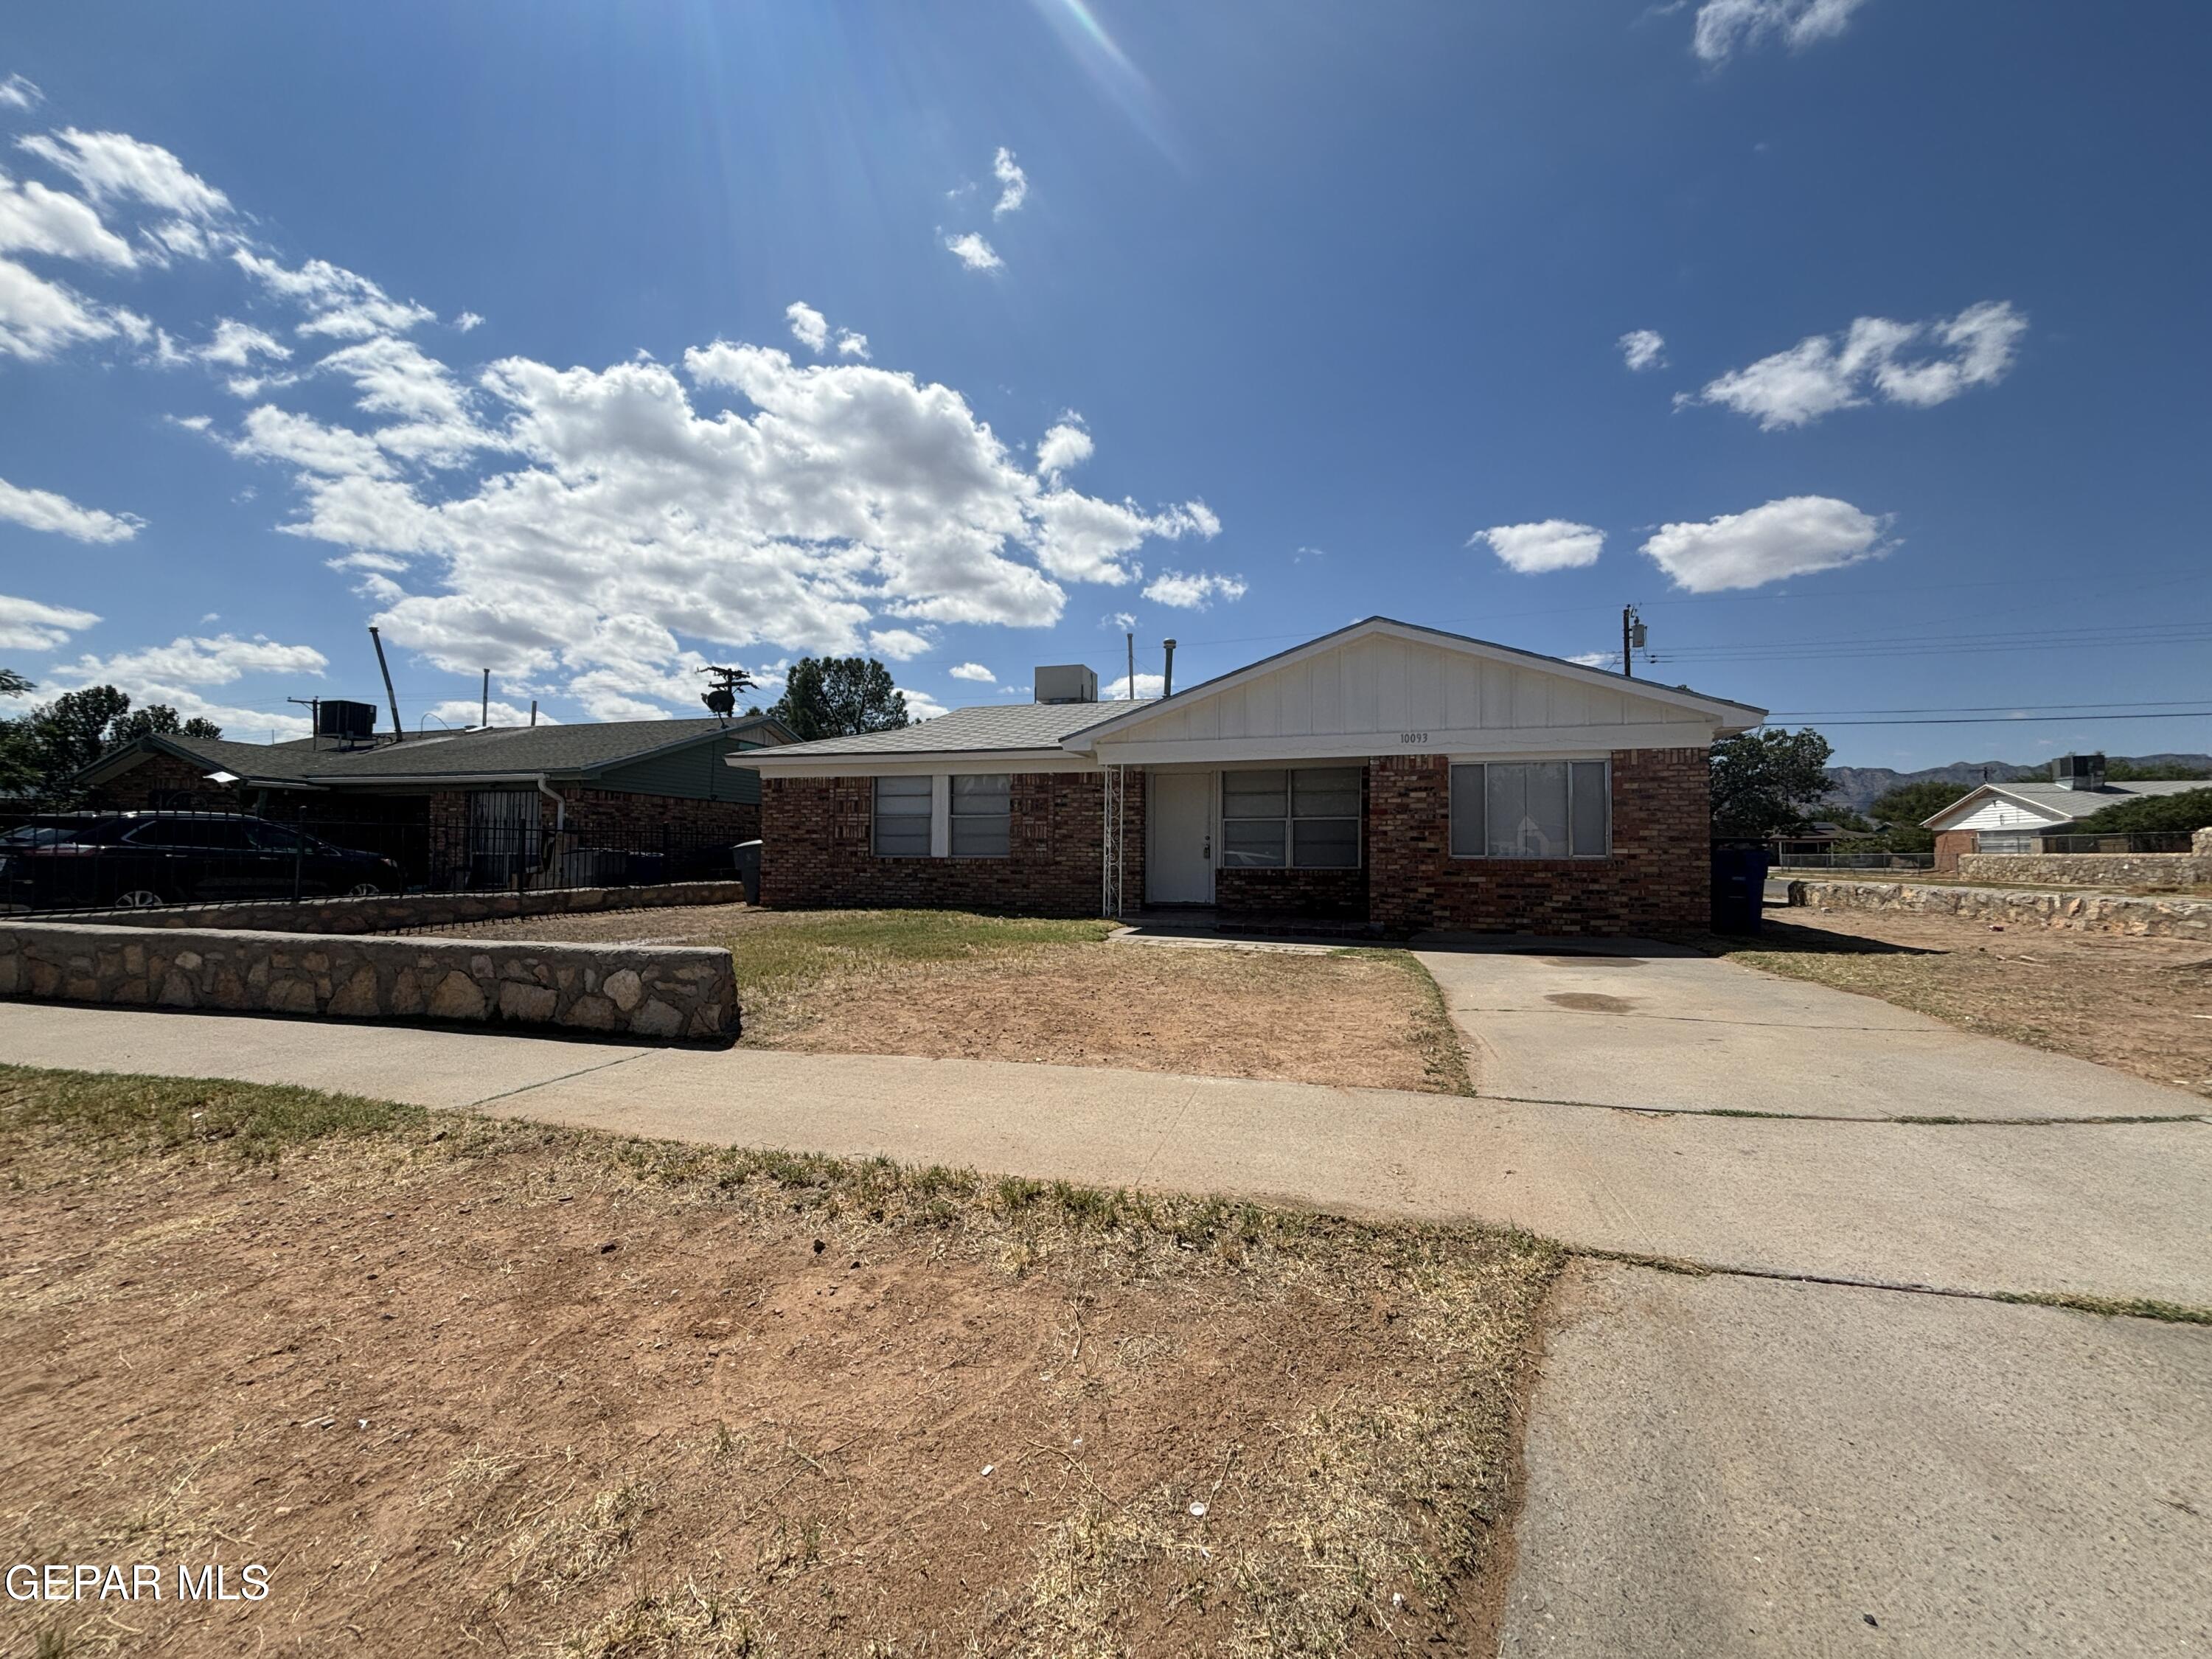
[(1167, 678), (314, 708), (1130, 684), (1631, 640), (484, 719), (385, 668), (723, 685)]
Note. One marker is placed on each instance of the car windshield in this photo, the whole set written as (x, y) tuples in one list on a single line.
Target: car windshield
[(36, 835)]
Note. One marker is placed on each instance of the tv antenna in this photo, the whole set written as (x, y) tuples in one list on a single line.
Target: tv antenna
[(724, 684)]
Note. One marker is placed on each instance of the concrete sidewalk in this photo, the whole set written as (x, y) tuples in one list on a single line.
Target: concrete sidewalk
[(2113, 1210)]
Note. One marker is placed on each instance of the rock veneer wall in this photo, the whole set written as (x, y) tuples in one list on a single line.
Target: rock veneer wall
[(663, 993), (2164, 871), (2091, 913), (387, 912)]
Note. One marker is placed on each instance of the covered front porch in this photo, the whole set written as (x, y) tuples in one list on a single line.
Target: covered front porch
[(1257, 843)]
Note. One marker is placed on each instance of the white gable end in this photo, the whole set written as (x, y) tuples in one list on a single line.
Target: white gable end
[(1391, 692)]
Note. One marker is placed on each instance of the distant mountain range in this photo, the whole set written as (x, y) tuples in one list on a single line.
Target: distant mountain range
[(1859, 786)]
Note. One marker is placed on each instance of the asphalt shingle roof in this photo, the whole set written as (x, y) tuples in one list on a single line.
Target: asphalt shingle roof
[(556, 749), (985, 727), (2080, 803)]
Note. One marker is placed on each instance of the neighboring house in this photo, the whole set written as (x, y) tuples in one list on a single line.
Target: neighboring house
[(1386, 774), (2014, 817), (473, 808), (1819, 836)]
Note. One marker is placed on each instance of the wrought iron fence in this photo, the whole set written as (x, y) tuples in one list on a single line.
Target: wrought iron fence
[(64, 860), (1855, 861)]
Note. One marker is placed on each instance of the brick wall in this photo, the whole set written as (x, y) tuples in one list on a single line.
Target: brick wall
[(1659, 877), (1949, 844), (817, 850), (164, 781)]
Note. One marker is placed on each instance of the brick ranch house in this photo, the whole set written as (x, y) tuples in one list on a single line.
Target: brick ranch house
[(2015, 817), (543, 803), (1384, 773)]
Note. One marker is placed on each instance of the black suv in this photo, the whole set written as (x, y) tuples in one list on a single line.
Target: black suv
[(104, 861)]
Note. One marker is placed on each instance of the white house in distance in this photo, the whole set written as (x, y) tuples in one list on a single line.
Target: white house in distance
[(2014, 817), (1385, 773)]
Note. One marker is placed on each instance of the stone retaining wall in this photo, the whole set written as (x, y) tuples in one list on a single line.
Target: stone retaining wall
[(389, 913), (645, 991), (2091, 913), (2163, 871)]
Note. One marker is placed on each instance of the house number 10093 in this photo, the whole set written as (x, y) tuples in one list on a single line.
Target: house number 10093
[(1412, 737)]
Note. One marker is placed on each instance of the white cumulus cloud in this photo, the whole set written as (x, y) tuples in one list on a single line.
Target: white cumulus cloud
[(1792, 536), (42, 509), (19, 92), (808, 326), (467, 320), (1642, 349), (1193, 590), (35, 219), (973, 671), (179, 673), (899, 644), (1013, 183), (1875, 358), (339, 302), (852, 344), (1548, 545), (28, 625), (1723, 27), (1065, 445), (1117, 689), (972, 252), (112, 167)]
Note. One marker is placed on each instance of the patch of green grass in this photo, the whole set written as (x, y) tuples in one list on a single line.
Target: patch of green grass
[(125, 1113), (787, 951)]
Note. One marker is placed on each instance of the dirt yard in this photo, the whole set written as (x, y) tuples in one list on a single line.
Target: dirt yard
[(948, 985), (2139, 1004), (462, 1385)]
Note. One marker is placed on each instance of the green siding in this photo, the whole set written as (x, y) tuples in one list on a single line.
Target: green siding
[(695, 774)]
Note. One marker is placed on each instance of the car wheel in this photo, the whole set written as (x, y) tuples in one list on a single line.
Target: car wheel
[(139, 898), (364, 889)]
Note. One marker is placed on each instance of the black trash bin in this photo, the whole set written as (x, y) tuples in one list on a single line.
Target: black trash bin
[(1738, 888), (747, 853)]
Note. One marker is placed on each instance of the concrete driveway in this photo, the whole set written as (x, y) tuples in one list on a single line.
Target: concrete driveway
[(1657, 1026), (1723, 1465)]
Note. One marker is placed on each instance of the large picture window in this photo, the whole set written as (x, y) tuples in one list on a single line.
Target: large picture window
[(903, 813), (1531, 810), (1299, 819), (982, 815)]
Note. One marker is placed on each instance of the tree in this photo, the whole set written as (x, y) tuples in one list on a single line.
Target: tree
[(839, 697), (2190, 809), (73, 730), (1901, 811), (17, 770), (1763, 781)]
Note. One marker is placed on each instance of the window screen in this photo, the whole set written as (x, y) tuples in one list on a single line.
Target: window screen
[(981, 815), (903, 807), (1531, 810)]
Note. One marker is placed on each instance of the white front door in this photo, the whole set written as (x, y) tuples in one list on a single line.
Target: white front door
[(1179, 862)]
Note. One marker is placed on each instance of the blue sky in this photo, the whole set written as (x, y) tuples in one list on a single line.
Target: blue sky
[(1859, 342)]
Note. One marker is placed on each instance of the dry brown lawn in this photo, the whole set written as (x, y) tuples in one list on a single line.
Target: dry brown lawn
[(949, 985), (463, 1386), (2142, 1006)]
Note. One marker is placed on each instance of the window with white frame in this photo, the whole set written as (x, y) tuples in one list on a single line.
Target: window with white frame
[(903, 808), (1293, 817), (1531, 810), (982, 815)]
